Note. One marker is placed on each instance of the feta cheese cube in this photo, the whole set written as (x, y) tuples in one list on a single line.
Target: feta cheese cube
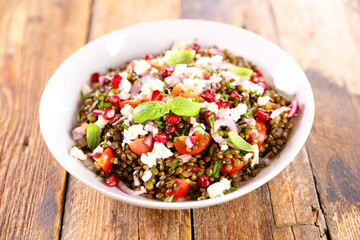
[(132, 133), (147, 175), (149, 159), (161, 151), (86, 89), (195, 85), (78, 153), (150, 86), (210, 106), (253, 87), (127, 111), (217, 189), (263, 100), (101, 122), (141, 67)]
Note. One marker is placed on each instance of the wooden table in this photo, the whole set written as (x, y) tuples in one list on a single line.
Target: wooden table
[(317, 196)]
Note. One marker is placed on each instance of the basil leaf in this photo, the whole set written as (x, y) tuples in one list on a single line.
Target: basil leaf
[(182, 57), (184, 107), (150, 111), (239, 142), (241, 71), (93, 136)]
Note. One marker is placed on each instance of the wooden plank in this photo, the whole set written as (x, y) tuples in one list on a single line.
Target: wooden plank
[(284, 233), (305, 232), (100, 216), (35, 38), (332, 63)]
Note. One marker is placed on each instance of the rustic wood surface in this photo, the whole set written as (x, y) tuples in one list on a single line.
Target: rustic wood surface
[(316, 197)]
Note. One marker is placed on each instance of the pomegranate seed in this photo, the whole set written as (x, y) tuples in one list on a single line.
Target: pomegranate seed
[(207, 75), (109, 113), (258, 73), (168, 70), (114, 100), (195, 47), (116, 80), (263, 115), (156, 96), (222, 103), (263, 85), (171, 130), (234, 95), (148, 57), (173, 119), (208, 114), (161, 138), (208, 95), (203, 181), (95, 77), (112, 181)]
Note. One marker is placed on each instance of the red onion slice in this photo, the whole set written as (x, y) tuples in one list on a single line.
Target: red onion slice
[(223, 122), (294, 108), (215, 51), (82, 141), (250, 121), (185, 157), (149, 127), (136, 180), (102, 80), (122, 186), (78, 133), (135, 88), (266, 158), (149, 140), (172, 81), (115, 119), (98, 149), (189, 142), (222, 66), (97, 112)]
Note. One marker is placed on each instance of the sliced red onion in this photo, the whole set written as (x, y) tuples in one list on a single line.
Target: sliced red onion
[(223, 122), (215, 51), (172, 81), (78, 133), (98, 149), (221, 66), (250, 121), (254, 135), (189, 142), (136, 180), (88, 164), (127, 122), (117, 121), (109, 143), (149, 127), (185, 157), (135, 88), (117, 116), (102, 80), (97, 112), (149, 140), (266, 158), (294, 108), (82, 141), (122, 186)]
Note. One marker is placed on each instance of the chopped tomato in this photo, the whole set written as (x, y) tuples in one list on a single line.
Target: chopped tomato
[(233, 169), (195, 170), (261, 133), (104, 160), (180, 144), (139, 147), (184, 188), (207, 75), (271, 105), (156, 96), (154, 65), (180, 90), (134, 103)]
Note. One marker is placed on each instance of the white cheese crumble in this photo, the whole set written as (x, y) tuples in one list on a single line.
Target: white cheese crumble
[(159, 151), (101, 122), (278, 111), (228, 76), (252, 87), (132, 133), (124, 86), (149, 159), (247, 157), (255, 160), (224, 147), (195, 85), (127, 111), (78, 153), (86, 89), (233, 113), (153, 70), (141, 67), (179, 45), (147, 175), (263, 100), (215, 78), (204, 62), (193, 120), (155, 132), (179, 70), (211, 106), (150, 86), (217, 189)]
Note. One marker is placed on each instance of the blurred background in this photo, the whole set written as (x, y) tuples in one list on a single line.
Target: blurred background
[(316, 197)]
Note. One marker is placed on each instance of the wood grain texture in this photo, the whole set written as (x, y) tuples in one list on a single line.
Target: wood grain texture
[(333, 68), (100, 216), (36, 37), (284, 233)]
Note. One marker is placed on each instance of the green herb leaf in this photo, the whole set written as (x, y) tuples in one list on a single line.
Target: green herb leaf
[(115, 160), (182, 57), (174, 163), (216, 169), (125, 126), (200, 173), (211, 120), (159, 123), (240, 71), (150, 111), (239, 142), (169, 198), (184, 107), (232, 189), (93, 136), (104, 104)]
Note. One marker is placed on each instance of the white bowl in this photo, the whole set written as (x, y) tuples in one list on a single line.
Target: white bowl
[(61, 97)]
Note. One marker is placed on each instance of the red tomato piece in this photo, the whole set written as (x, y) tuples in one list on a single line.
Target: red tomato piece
[(184, 189), (133, 103), (139, 147), (156, 96), (180, 144), (180, 90), (105, 159), (233, 169), (261, 133), (207, 75)]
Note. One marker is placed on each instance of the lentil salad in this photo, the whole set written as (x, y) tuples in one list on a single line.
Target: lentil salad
[(189, 123)]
